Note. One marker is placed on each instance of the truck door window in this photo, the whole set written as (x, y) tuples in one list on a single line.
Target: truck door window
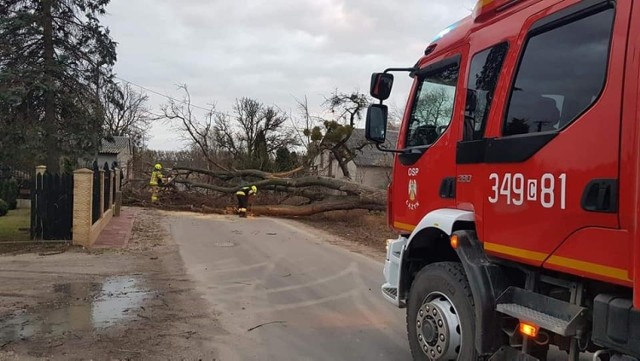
[(561, 74), (433, 105), (483, 78)]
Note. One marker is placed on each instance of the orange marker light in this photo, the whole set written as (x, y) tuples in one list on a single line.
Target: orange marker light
[(485, 9), (454, 241), (529, 329)]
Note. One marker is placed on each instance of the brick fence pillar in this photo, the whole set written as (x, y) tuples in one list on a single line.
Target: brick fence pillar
[(117, 172), (41, 169), (82, 206)]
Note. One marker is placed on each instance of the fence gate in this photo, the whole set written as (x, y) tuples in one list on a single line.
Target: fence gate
[(52, 207)]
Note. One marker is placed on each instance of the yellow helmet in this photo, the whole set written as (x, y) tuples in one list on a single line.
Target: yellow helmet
[(158, 166), (254, 189)]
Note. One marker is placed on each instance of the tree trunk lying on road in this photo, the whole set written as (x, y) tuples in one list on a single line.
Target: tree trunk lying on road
[(349, 203), (322, 194)]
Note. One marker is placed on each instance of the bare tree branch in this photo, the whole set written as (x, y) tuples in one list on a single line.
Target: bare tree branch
[(226, 175), (201, 132), (126, 113)]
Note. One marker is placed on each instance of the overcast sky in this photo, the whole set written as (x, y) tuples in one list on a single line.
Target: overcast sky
[(271, 50)]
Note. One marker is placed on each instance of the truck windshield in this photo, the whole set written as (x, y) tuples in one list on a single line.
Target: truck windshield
[(433, 105)]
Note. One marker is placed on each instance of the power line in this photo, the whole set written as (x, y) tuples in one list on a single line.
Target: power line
[(227, 114), (163, 95)]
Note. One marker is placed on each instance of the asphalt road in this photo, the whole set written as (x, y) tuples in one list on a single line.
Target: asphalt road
[(282, 291)]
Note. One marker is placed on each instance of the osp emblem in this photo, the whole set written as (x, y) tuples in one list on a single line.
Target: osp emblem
[(413, 189), (412, 202)]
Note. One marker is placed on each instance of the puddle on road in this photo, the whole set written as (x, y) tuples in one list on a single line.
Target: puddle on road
[(83, 307)]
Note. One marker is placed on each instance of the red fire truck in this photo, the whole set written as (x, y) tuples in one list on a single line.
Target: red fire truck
[(516, 184)]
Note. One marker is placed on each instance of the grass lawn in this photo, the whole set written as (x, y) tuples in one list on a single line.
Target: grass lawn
[(13, 222)]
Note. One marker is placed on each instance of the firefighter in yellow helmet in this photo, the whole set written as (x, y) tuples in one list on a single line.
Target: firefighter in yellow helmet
[(156, 181), (243, 199)]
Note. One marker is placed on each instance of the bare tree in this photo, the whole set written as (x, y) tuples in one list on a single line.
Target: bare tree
[(126, 113), (434, 107), (303, 107), (334, 134), (199, 131), (260, 131), (396, 113)]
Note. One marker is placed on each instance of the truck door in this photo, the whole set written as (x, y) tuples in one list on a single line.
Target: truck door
[(553, 162), (484, 72), (424, 175)]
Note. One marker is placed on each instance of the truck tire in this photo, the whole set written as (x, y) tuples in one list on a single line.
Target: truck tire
[(440, 315)]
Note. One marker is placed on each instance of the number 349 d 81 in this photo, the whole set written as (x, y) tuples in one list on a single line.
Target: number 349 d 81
[(515, 188)]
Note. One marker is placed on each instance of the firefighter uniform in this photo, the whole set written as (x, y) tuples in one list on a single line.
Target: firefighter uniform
[(155, 182), (243, 199)]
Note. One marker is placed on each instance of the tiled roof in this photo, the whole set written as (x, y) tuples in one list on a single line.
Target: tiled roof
[(118, 145), (369, 155)]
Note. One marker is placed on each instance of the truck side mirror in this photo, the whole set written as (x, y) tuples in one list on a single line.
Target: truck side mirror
[(376, 125), (381, 84)]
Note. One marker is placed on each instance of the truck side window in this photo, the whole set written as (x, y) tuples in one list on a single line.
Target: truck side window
[(561, 74), (483, 78), (433, 106)]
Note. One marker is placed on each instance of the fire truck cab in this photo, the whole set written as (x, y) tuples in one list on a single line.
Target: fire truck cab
[(516, 184)]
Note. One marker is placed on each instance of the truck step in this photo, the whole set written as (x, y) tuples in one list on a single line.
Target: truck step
[(506, 353), (391, 292), (560, 317)]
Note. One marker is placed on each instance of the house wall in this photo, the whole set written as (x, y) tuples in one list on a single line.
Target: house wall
[(109, 158), (123, 159), (376, 177), (328, 167)]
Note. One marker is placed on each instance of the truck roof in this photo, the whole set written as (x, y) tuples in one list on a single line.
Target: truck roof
[(449, 37), (487, 12)]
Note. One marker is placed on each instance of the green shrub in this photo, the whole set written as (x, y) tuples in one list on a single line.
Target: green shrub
[(9, 192), (3, 189), (4, 208)]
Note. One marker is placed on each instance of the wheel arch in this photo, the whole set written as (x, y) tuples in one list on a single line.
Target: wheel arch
[(429, 243)]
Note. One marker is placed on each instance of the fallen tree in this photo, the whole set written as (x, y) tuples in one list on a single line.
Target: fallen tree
[(316, 194), (314, 208)]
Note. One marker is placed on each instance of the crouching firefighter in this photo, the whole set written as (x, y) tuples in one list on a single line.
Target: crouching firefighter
[(243, 199), (155, 182)]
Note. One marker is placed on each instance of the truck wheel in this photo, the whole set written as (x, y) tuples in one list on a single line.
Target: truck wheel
[(440, 315)]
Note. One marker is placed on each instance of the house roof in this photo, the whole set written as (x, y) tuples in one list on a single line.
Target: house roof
[(367, 155), (118, 145)]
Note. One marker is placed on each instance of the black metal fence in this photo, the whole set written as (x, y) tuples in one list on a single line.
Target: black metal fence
[(7, 172), (118, 181), (107, 187), (95, 211), (52, 207)]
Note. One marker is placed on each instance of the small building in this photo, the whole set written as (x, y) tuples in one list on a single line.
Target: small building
[(120, 150), (370, 166)]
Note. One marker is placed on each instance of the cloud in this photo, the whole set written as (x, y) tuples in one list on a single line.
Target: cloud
[(272, 51)]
